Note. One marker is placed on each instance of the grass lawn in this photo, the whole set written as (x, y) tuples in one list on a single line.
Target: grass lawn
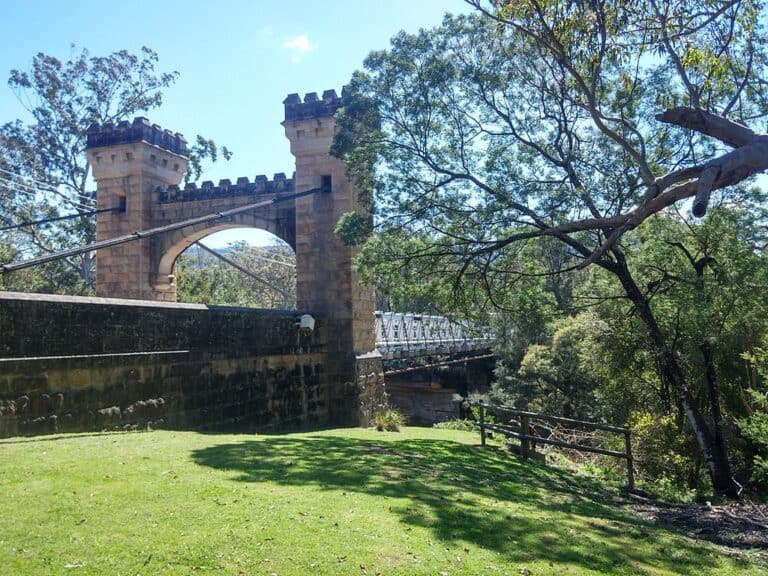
[(345, 501)]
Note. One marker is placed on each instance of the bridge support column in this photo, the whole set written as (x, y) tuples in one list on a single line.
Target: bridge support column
[(325, 281), (129, 161)]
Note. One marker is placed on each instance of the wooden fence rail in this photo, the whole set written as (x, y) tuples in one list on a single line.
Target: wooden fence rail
[(528, 441)]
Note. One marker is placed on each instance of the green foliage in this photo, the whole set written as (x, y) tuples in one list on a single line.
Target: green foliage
[(456, 424), (63, 99), (663, 456), (393, 261), (497, 394), (389, 420), (754, 427), (689, 32), (353, 228), (755, 430), (577, 369), (701, 278), (204, 150), (358, 122), (51, 278), (703, 282), (565, 372)]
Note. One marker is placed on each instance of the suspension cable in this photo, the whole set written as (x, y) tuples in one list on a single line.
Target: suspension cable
[(273, 261), (24, 189), (138, 235), (21, 183), (57, 219), (40, 183)]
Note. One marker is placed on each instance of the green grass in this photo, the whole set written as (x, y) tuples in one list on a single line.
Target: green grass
[(334, 502)]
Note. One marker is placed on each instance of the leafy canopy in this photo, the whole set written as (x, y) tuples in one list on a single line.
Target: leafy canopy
[(553, 119)]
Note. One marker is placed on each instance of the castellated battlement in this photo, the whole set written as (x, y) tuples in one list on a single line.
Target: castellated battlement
[(140, 130), (243, 187), (313, 106)]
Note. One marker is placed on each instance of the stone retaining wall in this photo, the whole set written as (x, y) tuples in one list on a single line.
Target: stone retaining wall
[(78, 364)]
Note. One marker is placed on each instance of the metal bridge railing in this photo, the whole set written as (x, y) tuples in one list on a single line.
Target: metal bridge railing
[(401, 335)]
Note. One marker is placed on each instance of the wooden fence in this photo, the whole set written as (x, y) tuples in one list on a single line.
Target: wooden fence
[(523, 430)]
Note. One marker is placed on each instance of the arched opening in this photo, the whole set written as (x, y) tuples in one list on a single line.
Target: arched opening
[(234, 267)]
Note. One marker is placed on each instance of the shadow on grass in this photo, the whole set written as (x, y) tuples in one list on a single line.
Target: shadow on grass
[(67, 436), (522, 510)]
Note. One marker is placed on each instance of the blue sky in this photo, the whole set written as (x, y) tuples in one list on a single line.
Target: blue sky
[(237, 59)]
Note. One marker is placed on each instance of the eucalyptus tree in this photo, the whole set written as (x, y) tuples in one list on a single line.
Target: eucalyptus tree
[(557, 121), (706, 282), (44, 171)]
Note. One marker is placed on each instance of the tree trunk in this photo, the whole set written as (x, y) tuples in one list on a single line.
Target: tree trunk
[(713, 391), (717, 460)]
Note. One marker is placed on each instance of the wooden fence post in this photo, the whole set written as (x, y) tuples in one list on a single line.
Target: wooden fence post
[(524, 442), (482, 425), (630, 461)]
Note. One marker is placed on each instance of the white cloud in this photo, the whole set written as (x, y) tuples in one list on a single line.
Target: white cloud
[(298, 47)]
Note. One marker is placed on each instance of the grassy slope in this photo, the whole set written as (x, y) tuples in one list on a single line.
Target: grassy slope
[(333, 502)]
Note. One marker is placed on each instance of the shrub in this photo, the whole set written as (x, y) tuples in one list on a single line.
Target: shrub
[(664, 456), (457, 424), (389, 420), (755, 430)]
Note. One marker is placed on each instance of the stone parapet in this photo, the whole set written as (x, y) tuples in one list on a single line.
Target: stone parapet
[(225, 189), (140, 130), (43, 325), (312, 106)]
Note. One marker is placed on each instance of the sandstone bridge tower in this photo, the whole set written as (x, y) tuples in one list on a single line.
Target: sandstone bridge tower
[(139, 166)]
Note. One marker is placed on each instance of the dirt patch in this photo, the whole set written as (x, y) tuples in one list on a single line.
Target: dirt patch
[(740, 525)]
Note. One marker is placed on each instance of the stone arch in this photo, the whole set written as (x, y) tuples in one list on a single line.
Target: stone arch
[(169, 247)]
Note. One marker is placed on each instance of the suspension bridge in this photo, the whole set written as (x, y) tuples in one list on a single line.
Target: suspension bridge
[(135, 351)]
